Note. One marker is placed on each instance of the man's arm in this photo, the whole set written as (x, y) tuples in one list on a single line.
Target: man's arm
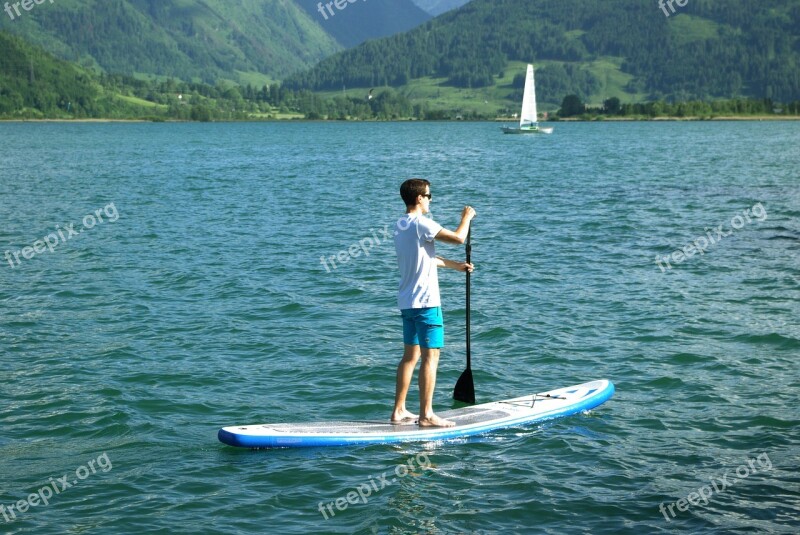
[(452, 264), (460, 235)]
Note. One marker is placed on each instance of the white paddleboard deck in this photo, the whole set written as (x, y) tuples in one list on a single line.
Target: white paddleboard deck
[(473, 420)]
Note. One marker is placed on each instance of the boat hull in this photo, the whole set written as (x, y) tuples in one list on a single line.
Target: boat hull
[(533, 130)]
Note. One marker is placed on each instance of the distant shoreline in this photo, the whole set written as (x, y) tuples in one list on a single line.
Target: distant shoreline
[(602, 118), (77, 121), (598, 119)]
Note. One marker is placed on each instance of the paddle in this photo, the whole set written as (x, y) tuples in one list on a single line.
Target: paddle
[(465, 388)]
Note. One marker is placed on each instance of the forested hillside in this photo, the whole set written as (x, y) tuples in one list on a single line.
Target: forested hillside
[(36, 85), (189, 39), (707, 49), (31, 78)]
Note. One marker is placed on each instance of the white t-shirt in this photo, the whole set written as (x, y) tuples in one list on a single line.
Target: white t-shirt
[(416, 257)]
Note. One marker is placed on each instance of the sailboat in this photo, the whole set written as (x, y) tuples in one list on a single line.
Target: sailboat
[(528, 121)]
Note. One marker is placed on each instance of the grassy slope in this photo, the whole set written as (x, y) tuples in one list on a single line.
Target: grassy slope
[(688, 29), (138, 102)]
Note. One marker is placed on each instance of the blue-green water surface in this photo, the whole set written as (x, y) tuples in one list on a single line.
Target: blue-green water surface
[(191, 295)]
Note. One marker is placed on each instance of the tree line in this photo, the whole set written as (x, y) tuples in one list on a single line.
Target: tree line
[(573, 106)]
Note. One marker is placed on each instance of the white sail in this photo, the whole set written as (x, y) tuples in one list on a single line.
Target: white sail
[(528, 121), (528, 116)]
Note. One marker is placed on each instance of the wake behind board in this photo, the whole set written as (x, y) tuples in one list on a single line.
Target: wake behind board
[(474, 420)]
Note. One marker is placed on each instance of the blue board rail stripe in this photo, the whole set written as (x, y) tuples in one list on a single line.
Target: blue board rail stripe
[(590, 400)]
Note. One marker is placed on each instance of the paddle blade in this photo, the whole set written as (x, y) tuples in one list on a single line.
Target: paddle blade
[(465, 388)]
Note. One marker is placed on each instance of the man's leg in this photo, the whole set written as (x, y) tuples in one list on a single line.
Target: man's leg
[(427, 384), (405, 371)]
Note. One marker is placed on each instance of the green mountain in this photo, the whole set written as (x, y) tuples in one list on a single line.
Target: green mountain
[(627, 49), (205, 40)]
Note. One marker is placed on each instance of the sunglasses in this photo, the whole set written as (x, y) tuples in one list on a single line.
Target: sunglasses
[(428, 195)]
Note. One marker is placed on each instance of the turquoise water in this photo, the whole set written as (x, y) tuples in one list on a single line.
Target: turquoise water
[(200, 300)]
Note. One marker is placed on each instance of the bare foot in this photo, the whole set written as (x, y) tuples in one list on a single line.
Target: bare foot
[(435, 421), (403, 417)]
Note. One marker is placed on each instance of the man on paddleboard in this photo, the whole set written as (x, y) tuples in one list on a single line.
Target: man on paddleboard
[(418, 297)]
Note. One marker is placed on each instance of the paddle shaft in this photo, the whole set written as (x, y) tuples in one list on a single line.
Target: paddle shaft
[(469, 255), (465, 387)]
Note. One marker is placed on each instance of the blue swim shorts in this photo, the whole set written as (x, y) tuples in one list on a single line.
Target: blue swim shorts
[(423, 327)]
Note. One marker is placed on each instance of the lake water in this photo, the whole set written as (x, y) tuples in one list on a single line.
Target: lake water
[(178, 287)]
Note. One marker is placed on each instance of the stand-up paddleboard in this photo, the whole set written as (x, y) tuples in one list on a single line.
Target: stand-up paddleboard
[(469, 421)]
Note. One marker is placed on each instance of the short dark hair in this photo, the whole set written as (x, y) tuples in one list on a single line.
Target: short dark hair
[(412, 188)]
